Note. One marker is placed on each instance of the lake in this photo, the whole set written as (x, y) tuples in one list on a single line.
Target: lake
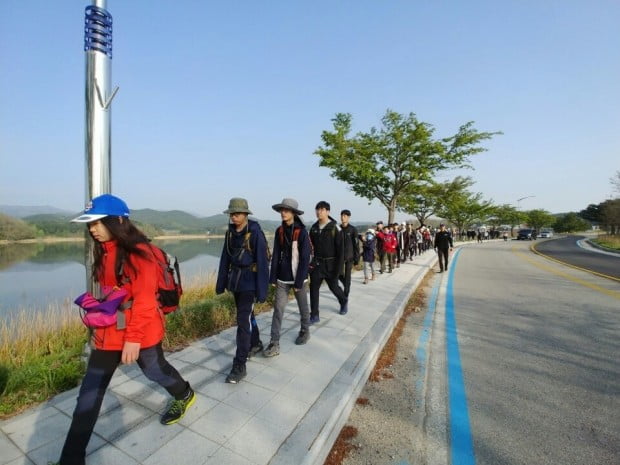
[(33, 276)]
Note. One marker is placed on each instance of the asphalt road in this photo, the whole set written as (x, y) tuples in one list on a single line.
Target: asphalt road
[(566, 249), (537, 346)]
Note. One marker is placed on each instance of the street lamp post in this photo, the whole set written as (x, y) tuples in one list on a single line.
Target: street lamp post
[(519, 204)]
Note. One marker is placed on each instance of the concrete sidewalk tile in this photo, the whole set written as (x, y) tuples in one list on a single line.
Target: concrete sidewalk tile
[(8, 450), (221, 424), (284, 411), (258, 441), (142, 441), (304, 388), (249, 397), (23, 460), (52, 450), (272, 378), (219, 344), (288, 362), (110, 402), (155, 400), (218, 362), (227, 457), (195, 355), (217, 388), (34, 430), (123, 419), (110, 455), (199, 409), (199, 376), (134, 387), (187, 447)]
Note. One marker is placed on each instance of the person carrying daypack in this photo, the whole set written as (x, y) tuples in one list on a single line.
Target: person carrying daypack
[(117, 240), (289, 270), (244, 271)]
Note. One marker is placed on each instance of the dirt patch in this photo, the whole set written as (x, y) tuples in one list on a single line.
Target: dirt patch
[(380, 427)]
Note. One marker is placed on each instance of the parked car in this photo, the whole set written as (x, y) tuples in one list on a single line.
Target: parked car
[(545, 233), (526, 234)]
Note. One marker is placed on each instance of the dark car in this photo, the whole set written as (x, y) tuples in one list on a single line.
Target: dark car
[(526, 234)]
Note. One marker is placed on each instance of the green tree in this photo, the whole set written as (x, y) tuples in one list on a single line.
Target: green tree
[(615, 182), (509, 215), (570, 222), (592, 213), (610, 215), (539, 218), (400, 157), (464, 208), (13, 229)]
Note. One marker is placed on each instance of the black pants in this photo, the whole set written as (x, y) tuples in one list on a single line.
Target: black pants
[(443, 258), (346, 278), (101, 367), (247, 329), (316, 279)]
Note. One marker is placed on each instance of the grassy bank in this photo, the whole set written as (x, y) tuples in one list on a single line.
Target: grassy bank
[(608, 241), (41, 353)]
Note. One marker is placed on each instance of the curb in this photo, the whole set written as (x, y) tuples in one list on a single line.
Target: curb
[(340, 395)]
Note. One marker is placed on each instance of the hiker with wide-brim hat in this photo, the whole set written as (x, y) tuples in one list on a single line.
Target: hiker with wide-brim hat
[(139, 339), (290, 263), (244, 271)]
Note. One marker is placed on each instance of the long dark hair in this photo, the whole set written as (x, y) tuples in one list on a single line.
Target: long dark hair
[(127, 237)]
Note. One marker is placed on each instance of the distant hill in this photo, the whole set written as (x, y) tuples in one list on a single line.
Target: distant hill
[(155, 222), (20, 211)]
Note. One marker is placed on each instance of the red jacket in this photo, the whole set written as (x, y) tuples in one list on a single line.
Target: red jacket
[(389, 241), (144, 320)]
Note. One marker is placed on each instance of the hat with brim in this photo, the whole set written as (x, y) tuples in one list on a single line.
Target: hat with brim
[(102, 206), (288, 204), (237, 205)]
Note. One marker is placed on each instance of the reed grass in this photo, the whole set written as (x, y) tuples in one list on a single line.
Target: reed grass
[(608, 241), (41, 352)]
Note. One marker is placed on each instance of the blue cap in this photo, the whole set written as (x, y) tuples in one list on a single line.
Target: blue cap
[(102, 206)]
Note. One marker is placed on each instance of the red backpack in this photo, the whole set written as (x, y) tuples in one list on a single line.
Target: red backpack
[(169, 289)]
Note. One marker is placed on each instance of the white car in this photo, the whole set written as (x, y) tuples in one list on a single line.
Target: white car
[(545, 234)]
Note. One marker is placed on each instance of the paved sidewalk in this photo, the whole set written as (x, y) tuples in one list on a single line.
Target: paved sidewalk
[(289, 409)]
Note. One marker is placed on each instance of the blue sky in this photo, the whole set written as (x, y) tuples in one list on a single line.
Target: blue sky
[(224, 99)]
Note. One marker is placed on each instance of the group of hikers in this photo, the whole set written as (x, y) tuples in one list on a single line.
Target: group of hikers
[(300, 260)]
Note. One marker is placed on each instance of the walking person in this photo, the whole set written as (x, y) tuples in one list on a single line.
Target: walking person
[(388, 238), (137, 337), (328, 260), (351, 249), (289, 270), (368, 254), (379, 246), (244, 271), (443, 245)]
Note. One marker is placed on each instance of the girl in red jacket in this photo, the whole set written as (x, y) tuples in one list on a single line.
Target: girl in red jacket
[(123, 258)]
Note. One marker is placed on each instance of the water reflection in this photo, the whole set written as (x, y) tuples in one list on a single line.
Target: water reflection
[(34, 275)]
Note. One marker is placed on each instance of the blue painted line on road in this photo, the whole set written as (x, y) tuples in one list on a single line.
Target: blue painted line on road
[(422, 350), (461, 443)]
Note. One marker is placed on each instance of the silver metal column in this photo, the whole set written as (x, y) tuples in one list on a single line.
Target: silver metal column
[(98, 98)]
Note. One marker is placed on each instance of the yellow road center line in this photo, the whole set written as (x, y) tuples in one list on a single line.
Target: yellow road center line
[(614, 294)]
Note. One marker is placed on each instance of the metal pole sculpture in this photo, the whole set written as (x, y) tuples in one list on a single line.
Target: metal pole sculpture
[(98, 49)]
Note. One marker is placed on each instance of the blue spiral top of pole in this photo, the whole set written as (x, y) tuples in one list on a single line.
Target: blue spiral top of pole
[(98, 30)]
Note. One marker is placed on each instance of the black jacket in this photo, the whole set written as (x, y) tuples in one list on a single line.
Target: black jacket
[(350, 243), (328, 251), (443, 240)]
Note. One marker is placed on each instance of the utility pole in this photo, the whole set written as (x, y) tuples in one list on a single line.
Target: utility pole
[(98, 98)]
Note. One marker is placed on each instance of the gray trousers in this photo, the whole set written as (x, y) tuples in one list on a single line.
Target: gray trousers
[(280, 301), (369, 270)]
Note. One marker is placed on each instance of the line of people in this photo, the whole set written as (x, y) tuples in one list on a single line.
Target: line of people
[(300, 261)]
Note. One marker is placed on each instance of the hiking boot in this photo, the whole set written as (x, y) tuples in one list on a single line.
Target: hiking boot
[(272, 349), (177, 408), (237, 373), (314, 319), (255, 349), (303, 337)]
